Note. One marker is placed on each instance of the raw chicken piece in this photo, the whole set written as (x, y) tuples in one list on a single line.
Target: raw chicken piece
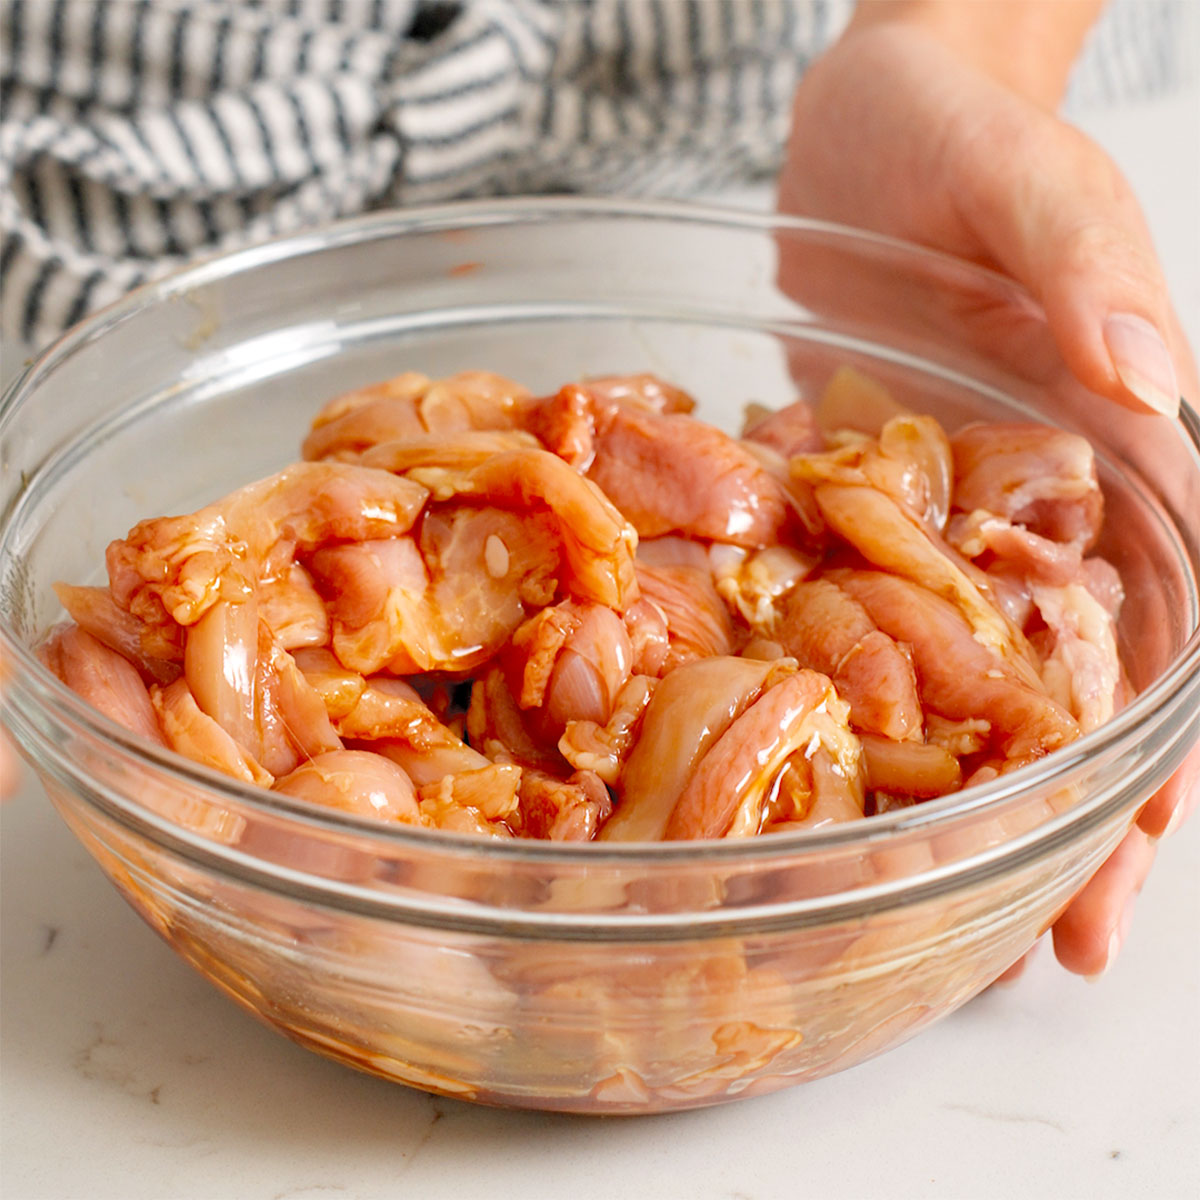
[(487, 794), (407, 387), (789, 430), (960, 738), (355, 782), (1082, 670), (497, 727), (826, 629), (458, 787), (754, 583), (691, 708), (194, 734), (909, 768), (919, 450), (460, 451), (985, 773), (814, 792), (1101, 578), (381, 412), (1009, 588), (447, 601), (853, 400), (411, 405), (595, 541), (440, 809), (177, 568), (1013, 549), (488, 567), (292, 610), (666, 471), (103, 678), (669, 473), (649, 637), (298, 706), (536, 647), (565, 424), (1028, 499), (764, 649), (156, 650), (887, 536), (910, 461), (338, 687), (376, 592), (220, 663), (563, 810), (728, 790), (603, 748), (1031, 475), (698, 623), (644, 391), (958, 675), (397, 723), (805, 526), (673, 551), (251, 687), (571, 661), (1104, 583)]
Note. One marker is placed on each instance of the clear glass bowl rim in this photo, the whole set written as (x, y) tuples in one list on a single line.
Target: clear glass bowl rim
[(1158, 701)]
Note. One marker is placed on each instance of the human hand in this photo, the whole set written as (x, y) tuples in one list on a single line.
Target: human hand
[(1089, 933), (928, 121), (897, 131)]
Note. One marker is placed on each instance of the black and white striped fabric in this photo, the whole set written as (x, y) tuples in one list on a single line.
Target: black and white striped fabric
[(135, 134)]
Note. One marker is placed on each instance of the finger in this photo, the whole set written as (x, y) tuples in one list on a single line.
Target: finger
[(1175, 801), (1075, 235), (10, 767), (1088, 936)]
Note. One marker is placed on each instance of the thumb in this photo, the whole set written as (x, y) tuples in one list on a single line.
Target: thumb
[(1075, 236)]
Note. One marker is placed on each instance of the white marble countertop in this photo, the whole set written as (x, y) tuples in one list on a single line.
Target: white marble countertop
[(125, 1075)]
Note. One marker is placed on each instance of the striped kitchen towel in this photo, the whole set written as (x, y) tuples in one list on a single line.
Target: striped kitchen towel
[(136, 134)]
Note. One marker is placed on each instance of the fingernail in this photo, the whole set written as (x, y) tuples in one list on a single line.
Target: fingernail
[(1176, 820), (1115, 941), (1143, 362)]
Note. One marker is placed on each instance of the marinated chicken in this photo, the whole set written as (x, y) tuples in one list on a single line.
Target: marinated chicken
[(592, 616)]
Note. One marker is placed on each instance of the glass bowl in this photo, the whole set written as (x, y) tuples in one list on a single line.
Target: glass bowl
[(591, 978)]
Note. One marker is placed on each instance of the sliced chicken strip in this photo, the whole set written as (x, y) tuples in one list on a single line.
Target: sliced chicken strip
[(825, 628), (411, 405), (958, 675), (691, 708), (884, 534), (730, 787), (697, 620), (1032, 475), (103, 678), (193, 733), (155, 649), (669, 473)]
